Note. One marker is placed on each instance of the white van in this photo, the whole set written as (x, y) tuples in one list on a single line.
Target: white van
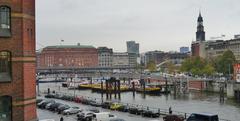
[(103, 116)]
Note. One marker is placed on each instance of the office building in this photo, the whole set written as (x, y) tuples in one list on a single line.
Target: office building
[(105, 57)]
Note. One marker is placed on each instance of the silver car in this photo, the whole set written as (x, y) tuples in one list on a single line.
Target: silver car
[(85, 115), (72, 110)]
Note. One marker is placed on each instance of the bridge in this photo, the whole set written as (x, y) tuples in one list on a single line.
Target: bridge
[(57, 70)]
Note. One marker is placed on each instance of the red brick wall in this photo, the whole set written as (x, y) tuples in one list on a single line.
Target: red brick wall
[(195, 49), (196, 85), (69, 57), (22, 47)]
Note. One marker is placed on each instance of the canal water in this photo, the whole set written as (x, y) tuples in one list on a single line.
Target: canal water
[(194, 102)]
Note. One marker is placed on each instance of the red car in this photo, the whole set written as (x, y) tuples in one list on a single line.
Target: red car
[(78, 99)]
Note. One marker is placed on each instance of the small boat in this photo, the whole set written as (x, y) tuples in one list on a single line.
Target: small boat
[(149, 89)]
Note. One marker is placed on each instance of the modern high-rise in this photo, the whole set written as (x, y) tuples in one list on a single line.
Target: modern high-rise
[(184, 49), (133, 52), (133, 47), (17, 60)]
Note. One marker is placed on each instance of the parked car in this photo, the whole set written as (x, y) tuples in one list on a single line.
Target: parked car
[(78, 99), (203, 117), (123, 108), (103, 116), (174, 118), (72, 110), (86, 101), (58, 96), (133, 110), (85, 116), (39, 100), (44, 103), (95, 103), (49, 96), (67, 97), (95, 110), (55, 106), (61, 108), (106, 105), (136, 110), (115, 106), (117, 119), (49, 105), (151, 113)]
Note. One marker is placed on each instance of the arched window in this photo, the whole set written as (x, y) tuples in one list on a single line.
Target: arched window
[(5, 108), (5, 66), (5, 23)]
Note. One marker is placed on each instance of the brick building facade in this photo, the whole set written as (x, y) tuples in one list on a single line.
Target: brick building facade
[(17, 60), (197, 85), (67, 56)]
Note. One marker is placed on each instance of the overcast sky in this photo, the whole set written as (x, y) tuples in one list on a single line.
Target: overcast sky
[(155, 24)]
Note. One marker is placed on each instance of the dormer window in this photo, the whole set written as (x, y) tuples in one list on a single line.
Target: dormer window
[(5, 24)]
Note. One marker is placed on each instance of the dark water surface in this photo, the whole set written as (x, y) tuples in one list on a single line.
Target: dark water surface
[(197, 102)]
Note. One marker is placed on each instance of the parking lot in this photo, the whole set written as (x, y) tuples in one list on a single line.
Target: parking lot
[(45, 114)]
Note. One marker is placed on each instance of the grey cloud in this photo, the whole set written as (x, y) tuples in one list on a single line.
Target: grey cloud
[(155, 24)]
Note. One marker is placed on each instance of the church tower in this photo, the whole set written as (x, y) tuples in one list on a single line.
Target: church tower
[(17, 61), (200, 34)]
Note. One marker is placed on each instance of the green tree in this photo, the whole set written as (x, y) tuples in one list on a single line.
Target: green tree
[(197, 66), (151, 66), (186, 65), (225, 62), (171, 67), (208, 69)]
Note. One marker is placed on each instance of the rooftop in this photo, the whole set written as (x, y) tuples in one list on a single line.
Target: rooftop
[(71, 46)]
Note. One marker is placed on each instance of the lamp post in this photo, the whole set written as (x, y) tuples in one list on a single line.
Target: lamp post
[(74, 93), (229, 71), (166, 84), (73, 80)]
